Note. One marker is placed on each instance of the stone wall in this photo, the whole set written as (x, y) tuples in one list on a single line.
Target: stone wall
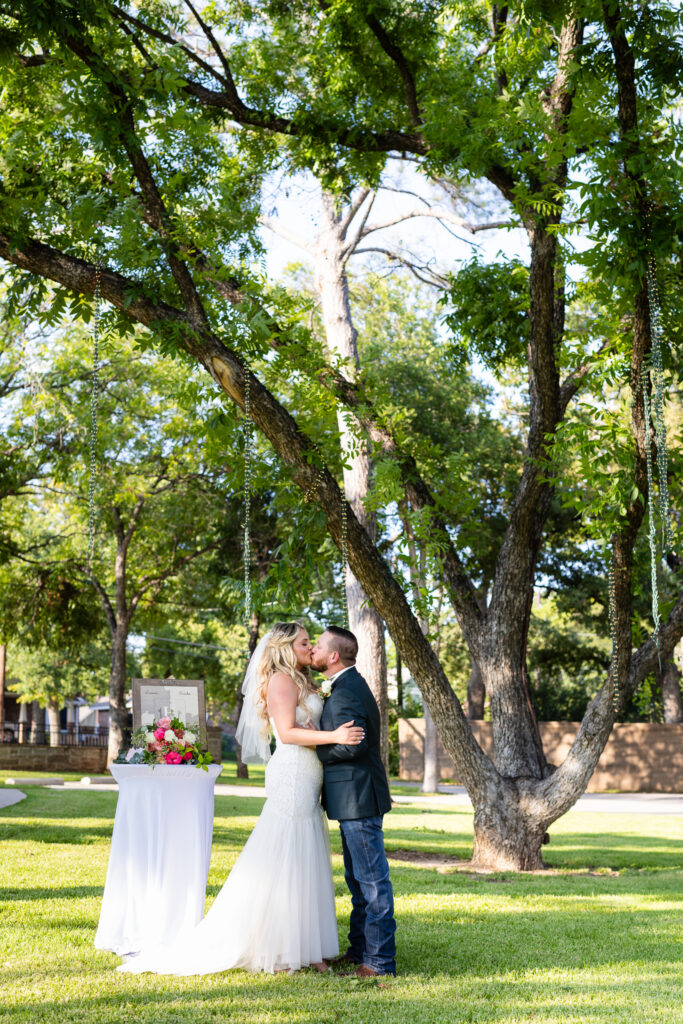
[(214, 738), (638, 758), (27, 757), (20, 757)]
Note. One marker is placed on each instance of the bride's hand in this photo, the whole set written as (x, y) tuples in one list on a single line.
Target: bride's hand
[(348, 734)]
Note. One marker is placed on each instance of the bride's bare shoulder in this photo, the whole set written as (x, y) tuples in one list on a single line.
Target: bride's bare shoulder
[(281, 685)]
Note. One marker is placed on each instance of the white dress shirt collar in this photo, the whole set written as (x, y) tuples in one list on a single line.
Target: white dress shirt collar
[(335, 678)]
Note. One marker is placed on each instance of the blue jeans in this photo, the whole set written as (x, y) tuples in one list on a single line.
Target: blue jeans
[(372, 925)]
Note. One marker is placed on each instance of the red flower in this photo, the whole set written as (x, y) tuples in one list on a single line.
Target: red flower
[(187, 756), (159, 735)]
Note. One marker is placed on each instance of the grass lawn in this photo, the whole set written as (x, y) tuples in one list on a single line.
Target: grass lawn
[(596, 940)]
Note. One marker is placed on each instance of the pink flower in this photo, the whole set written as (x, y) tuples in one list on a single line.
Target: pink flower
[(159, 734), (164, 722), (173, 757), (155, 745)]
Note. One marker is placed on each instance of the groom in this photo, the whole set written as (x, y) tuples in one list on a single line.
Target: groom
[(356, 792)]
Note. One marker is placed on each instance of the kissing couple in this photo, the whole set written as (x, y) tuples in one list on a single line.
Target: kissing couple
[(276, 909)]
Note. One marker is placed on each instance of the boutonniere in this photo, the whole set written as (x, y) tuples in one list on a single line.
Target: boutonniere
[(325, 689)]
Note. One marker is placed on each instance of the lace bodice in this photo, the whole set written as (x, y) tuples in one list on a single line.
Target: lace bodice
[(294, 773)]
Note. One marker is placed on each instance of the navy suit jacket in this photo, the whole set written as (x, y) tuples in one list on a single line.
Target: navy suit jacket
[(355, 783)]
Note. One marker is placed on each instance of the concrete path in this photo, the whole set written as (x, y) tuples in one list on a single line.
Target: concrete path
[(448, 796), (611, 803), (10, 796)]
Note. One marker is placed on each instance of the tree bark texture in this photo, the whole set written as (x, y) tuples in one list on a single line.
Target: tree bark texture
[(671, 692), (37, 735), (118, 713), (331, 255), (476, 694), (418, 568)]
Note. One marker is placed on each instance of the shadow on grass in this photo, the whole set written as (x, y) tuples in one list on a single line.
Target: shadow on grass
[(71, 892), (82, 817)]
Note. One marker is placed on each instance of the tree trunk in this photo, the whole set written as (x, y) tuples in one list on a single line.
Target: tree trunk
[(37, 724), (517, 750), (399, 679), (53, 722), (254, 627), (119, 726), (671, 692), (341, 338), (3, 655), (430, 778), (505, 837), (476, 694)]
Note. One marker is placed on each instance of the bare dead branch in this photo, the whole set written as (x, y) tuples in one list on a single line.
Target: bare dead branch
[(421, 272), (290, 236)]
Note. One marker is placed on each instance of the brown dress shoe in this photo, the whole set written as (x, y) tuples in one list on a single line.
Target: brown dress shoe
[(344, 959), (366, 972)]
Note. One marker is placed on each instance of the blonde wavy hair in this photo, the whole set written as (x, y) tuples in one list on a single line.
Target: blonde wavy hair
[(279, 656)]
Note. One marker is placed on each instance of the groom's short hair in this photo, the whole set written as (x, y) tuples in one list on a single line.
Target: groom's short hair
[(344, 643)]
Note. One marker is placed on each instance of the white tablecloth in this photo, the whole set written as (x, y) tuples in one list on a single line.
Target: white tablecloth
[(159, 859)]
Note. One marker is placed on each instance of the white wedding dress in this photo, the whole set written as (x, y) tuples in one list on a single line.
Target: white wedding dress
[(276, 908)]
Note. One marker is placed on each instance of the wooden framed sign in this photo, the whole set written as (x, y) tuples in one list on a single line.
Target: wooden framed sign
[(176, 698)]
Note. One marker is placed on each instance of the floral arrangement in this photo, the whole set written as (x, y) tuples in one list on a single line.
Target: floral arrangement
[(167, 742)]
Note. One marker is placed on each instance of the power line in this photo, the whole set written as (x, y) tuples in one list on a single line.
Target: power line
[(187, 643)]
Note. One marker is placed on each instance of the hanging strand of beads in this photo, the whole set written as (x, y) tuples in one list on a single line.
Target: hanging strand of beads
[(613, 668), (246, 550), (345, 554), (94, 398), (656, 333)]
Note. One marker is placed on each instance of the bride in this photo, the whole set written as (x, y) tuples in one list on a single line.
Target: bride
[(275, 911)]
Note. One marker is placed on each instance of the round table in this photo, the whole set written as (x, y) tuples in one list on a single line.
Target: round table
[(159, 858)]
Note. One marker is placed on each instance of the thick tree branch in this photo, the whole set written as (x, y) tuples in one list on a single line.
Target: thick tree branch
[(354, 206), (499, 16), (154, 583), (133, 522), (206, 29), (574, 380), (154, 205), (33, 60), (394, 51), (517, 557), (126, 19), (106, 605), (445, 216)]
